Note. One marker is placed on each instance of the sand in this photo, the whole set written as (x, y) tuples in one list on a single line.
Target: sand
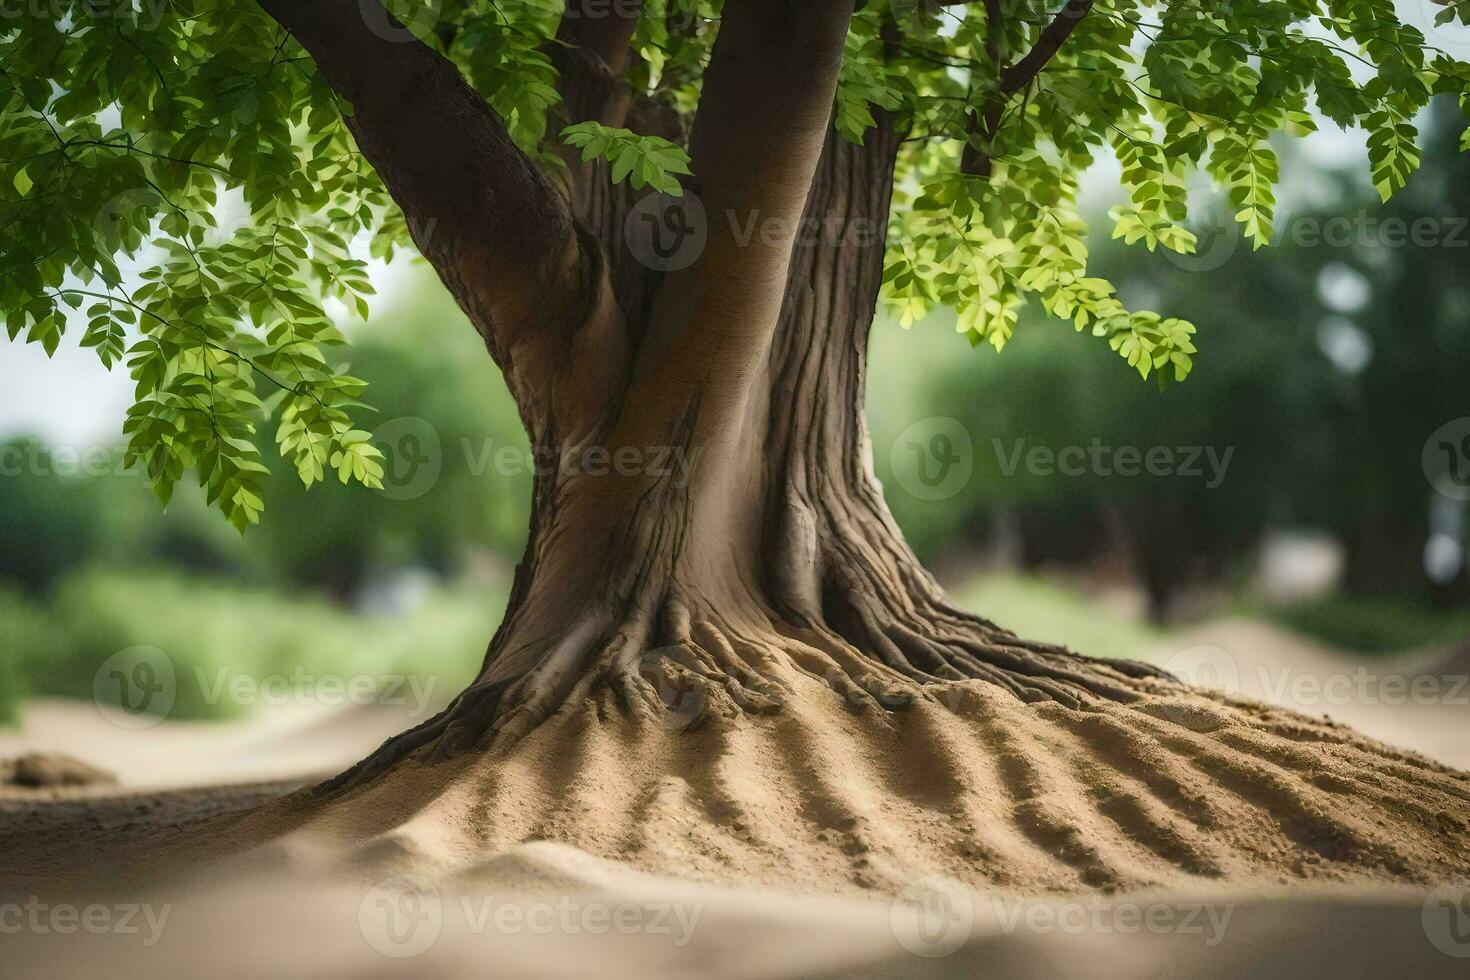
[(803, 839), (549, 911)]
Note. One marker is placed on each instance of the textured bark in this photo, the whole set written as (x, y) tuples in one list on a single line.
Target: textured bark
[(495, 229), (780, 548), (769, 573), (766, 547)]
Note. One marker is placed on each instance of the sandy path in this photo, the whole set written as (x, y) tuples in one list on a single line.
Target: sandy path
[(359, 924), (283, 743)]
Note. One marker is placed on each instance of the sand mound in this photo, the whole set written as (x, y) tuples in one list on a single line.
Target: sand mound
[(602, 815), (983, 789)]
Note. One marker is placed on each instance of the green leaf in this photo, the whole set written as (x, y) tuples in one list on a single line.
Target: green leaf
[(643, 161)]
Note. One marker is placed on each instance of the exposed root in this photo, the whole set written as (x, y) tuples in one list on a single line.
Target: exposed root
[(663, 765), (675, 663), (995, 759)]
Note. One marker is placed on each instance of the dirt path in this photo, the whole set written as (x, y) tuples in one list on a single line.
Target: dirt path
[(310, 914)]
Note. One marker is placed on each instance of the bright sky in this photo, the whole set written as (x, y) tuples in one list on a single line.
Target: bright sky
[(71, 400)]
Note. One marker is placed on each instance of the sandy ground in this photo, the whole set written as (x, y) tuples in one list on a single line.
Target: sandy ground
[(285, 743), (1419, 702), (556, 912), (543, 909)]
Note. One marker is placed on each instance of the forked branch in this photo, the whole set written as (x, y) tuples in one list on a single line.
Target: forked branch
[(1013, 78), (591, 52), (479, 209), (757, 137), (1053, 36)]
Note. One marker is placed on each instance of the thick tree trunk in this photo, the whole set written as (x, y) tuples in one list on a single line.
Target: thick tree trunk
[(709, 542), (692, 559)]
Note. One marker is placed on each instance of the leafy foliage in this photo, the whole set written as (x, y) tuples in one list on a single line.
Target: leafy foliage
[(1169, 88), (180, 174), (645, 161), (178, 184)]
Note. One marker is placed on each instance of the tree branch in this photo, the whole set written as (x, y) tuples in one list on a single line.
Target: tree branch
[(757, 138), (976, 158), (1053, 36), (496, 231), (590, 54)]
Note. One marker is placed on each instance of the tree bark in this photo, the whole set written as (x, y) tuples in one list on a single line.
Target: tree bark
[(494, 227), (708, 540), (776, 554), (709, 526)]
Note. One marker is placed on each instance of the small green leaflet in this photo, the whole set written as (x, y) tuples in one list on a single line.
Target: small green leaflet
[(647, 161), (1392, 152)]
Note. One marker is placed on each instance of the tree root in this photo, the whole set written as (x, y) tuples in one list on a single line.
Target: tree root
[(677, 668)]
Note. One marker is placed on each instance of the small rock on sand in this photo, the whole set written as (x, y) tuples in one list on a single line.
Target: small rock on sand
[(39, 770)]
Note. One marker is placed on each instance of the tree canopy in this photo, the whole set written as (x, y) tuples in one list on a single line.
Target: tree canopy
[(180, 174)]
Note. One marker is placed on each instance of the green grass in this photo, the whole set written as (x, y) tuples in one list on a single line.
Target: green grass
[(1041, 610), (25, 625), (212, 633), (1377, 626)]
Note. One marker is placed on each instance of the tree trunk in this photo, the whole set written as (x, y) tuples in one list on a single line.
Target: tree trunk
[(692, 552), (708, 543)]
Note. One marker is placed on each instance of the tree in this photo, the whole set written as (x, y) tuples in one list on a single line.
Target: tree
[(706, 526)]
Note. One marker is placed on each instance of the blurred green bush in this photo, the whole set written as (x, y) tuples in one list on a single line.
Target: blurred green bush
[(213, 633), (1379, 625), (30, 636)]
